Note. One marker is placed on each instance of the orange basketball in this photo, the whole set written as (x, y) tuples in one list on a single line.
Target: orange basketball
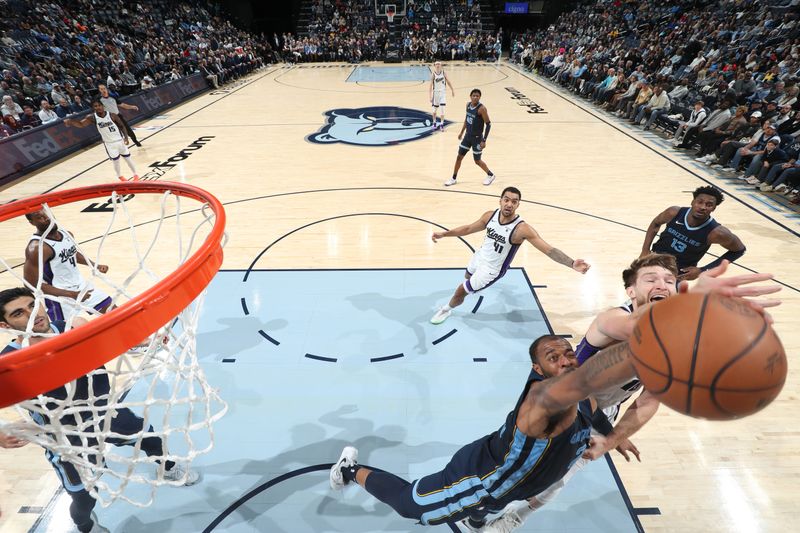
[(708, 356)]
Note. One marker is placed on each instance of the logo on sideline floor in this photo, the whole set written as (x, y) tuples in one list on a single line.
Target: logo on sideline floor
[(374, 126)]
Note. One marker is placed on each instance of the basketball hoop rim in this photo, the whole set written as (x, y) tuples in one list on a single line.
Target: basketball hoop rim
[(49, 364)]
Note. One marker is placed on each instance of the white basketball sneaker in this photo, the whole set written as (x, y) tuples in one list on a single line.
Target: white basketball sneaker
[(183, 474), (348, 458), (505, 523), (451, 181), (441, 315), (489, 179), (468, 527)]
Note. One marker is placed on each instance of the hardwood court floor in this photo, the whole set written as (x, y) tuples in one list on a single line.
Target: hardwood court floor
[(590, 186)]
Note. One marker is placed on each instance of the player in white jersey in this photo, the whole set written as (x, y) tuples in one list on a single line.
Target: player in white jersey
[(60, 276), (112, 133), (437, 92), (505, 232), (649, 279)]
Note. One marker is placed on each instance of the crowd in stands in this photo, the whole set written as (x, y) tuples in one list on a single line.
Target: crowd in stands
[(53, 56), (721, 77), (350, 30)]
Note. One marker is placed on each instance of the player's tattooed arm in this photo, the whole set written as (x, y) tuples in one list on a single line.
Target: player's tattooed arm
[(529, 234), (560, 257), (469, 229), (611, 367)]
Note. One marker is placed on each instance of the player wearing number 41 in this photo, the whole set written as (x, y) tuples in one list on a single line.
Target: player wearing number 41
[(505, 232), (112, 132), (690, 233)]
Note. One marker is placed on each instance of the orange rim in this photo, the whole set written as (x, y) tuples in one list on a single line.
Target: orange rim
[(49, 364)]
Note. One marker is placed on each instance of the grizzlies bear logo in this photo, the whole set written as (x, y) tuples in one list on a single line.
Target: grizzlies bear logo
[(374, 126)]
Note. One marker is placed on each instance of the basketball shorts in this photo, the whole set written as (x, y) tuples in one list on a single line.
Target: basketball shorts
[(439, 98), (116, 149), (481, 275), (64, 310), (471, 142)]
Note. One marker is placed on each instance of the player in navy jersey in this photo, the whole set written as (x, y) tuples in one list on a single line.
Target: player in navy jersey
[(505, 232), (648, 280), (690, 232), (541, 437), (474, 132), (16, 307)]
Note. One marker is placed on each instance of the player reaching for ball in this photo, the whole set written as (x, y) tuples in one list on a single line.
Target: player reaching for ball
[(647, 280), (542, 436)]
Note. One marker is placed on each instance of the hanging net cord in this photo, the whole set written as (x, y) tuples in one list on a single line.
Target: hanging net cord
[(122, 425)]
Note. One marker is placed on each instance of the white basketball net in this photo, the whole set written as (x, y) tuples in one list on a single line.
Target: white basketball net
[(154, 399)]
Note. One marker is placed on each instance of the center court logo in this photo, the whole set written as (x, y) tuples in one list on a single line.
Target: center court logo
[(374, 126)]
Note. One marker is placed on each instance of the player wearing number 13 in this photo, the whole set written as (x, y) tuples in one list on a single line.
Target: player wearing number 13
[(505, 232), (690, 233)]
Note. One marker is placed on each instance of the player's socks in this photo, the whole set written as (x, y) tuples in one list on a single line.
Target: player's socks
[(129, 162), (349, 472)]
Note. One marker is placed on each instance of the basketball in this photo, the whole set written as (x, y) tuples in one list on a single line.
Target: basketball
[(709, 356)]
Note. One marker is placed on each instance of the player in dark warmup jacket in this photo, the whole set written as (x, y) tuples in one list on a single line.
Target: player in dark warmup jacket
[(690, 232)]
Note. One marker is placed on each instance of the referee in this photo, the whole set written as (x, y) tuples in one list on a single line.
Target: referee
[(112, 106)]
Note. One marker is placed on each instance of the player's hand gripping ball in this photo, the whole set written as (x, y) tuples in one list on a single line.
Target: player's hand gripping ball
[(709, 356)]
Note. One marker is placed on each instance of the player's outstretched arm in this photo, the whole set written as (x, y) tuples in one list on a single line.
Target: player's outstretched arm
[(85, 121), (10, 441), (532, 236), (610, 367), (638, 414), (617, 324), (469, 229), (652, 230)]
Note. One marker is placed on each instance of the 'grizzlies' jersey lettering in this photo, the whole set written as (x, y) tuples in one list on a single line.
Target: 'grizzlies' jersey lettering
[(497, 251), (62, 270), (474, 121), (538, 462), (109, 131), (688, 244)]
